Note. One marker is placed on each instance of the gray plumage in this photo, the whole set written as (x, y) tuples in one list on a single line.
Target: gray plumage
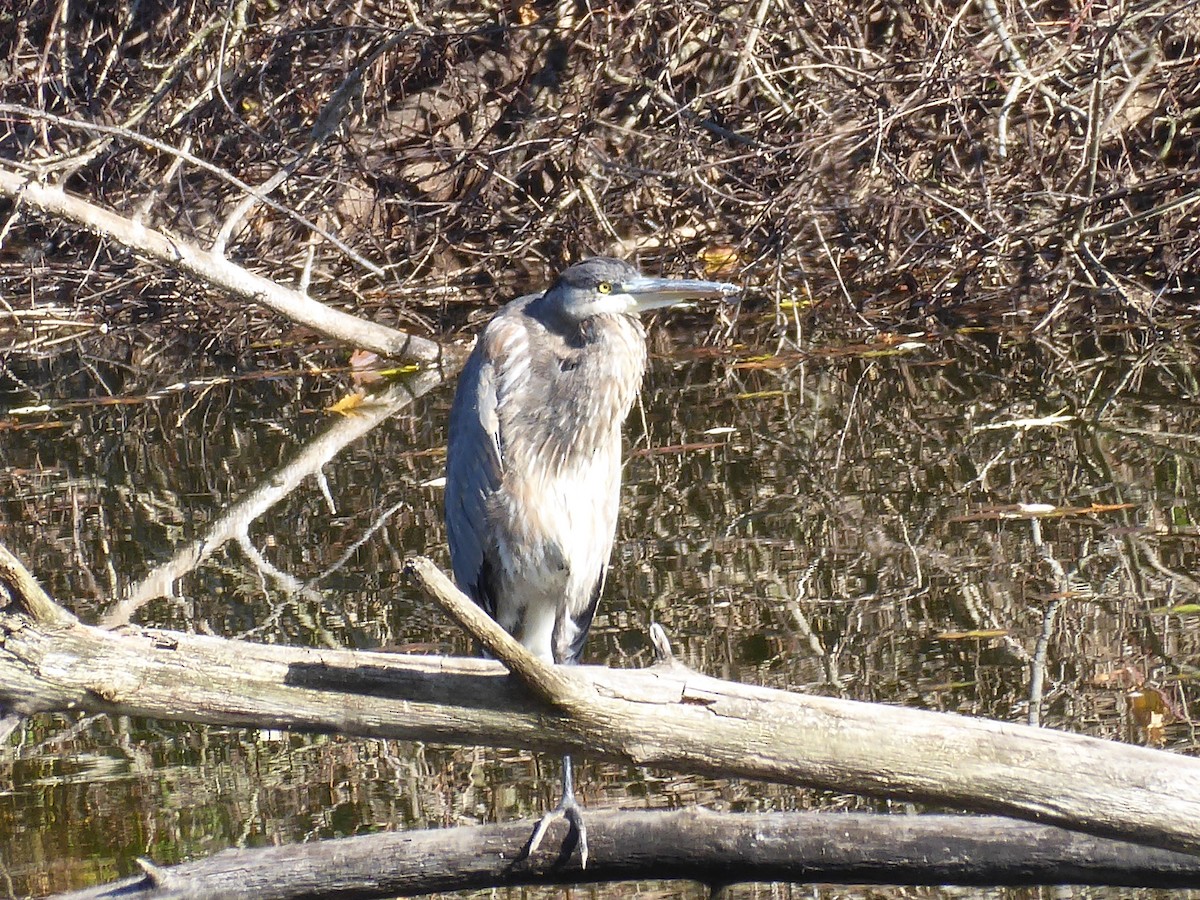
[(533, 467), (533, 471)]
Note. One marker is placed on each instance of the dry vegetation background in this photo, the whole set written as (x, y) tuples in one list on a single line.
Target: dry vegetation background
[(1028, 166), (1035, 162)]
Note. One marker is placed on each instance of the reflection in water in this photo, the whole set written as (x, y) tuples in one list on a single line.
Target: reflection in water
[(236, 519), (859, 523)]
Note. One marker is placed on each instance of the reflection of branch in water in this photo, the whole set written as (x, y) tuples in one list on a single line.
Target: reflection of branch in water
[(1062, 588), (291, 587), (337, 564), (829, 658), (234, 523)]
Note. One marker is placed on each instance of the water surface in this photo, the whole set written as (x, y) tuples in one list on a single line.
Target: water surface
[(984, 523)]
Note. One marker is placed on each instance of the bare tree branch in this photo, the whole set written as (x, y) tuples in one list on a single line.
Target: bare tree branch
[(216, 270)]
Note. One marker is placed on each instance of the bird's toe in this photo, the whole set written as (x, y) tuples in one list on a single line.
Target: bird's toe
[(569, 809)]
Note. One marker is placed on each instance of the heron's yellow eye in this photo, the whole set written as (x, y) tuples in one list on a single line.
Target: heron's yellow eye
[(604, 287)]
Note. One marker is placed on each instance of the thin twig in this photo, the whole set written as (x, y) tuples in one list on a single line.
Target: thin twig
[(180, 153)]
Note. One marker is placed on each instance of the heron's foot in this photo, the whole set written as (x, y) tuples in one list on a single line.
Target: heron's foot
[(570, 809)]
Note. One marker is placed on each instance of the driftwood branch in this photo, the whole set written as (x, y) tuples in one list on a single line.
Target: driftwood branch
[(18, 588), (214, 269), (1072, 780), (553, 684), (666, 716), (694, 844)]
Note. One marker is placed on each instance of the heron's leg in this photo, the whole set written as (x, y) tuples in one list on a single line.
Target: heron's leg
[(568, 808)]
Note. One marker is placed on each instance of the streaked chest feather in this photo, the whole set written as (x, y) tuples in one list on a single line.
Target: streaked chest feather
[(553, 518), (556, 510)]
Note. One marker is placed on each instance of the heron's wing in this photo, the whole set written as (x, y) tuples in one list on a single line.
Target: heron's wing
[(473, 471), (475, 455)]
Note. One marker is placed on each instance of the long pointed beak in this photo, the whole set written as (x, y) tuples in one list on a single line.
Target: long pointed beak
[(655, 293)]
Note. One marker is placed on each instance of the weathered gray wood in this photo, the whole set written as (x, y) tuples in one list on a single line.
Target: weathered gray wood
[(712, 726), (667, 716), (691, 844), (213, 268)]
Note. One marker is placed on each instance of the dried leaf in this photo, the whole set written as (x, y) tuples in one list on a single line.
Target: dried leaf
[(348, 404), (719, 260), (1151, 710), (1124, 677), (527, 13), (364, 367), (364, 359)]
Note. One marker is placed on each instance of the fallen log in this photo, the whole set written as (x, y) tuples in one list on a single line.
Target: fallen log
[(694, 844), (666, 716)]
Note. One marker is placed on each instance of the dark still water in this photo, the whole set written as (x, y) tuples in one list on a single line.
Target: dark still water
[(981, 523)]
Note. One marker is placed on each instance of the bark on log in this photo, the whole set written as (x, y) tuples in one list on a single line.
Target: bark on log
[(666, 716), (694, 844)]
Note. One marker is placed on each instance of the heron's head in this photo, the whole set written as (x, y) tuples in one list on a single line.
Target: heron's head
[(606, 286)]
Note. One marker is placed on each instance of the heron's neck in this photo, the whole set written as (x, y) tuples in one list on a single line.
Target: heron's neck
[(612, 353)]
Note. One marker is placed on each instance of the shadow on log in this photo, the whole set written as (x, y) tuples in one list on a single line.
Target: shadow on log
[(694, 844)]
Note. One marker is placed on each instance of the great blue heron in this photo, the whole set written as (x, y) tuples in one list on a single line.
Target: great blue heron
[(533, 468)]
